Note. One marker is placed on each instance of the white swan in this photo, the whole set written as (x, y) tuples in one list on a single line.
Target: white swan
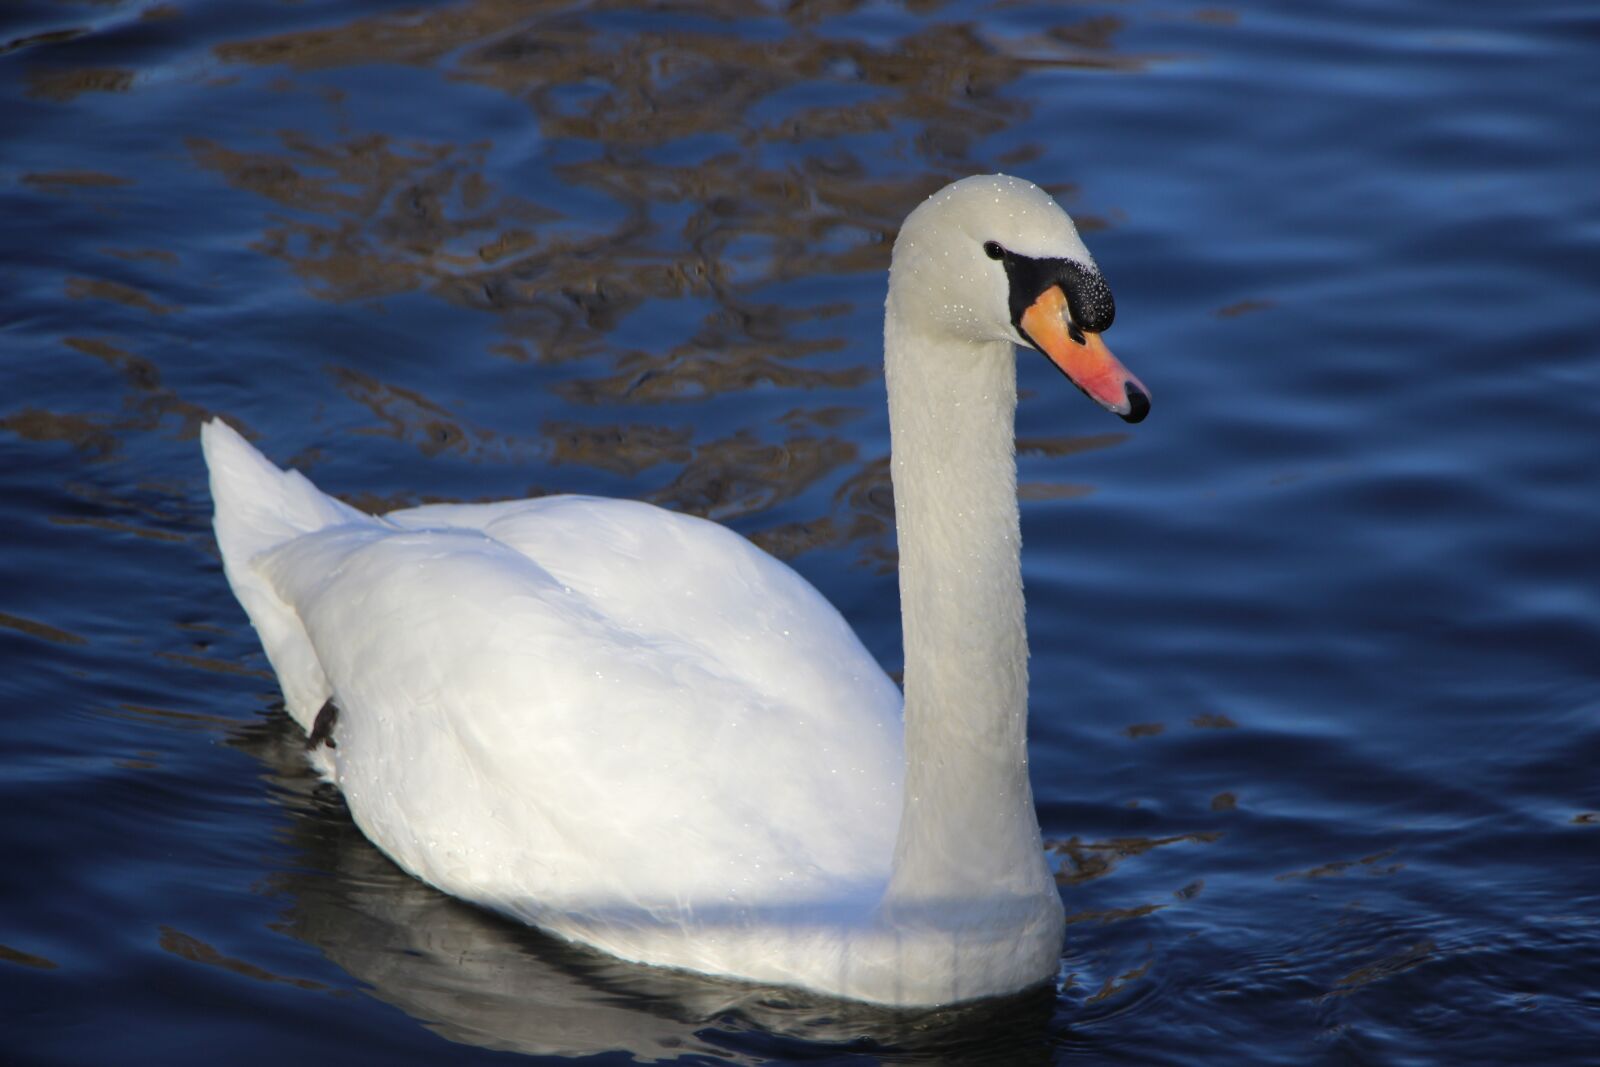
[(634, 729)]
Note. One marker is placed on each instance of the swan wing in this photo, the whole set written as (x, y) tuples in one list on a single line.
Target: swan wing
[(575, 705)]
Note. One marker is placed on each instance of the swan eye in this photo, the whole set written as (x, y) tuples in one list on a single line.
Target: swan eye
[(993, 250)]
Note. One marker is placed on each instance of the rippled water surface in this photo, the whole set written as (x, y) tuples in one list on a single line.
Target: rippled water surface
[(1316, 648)]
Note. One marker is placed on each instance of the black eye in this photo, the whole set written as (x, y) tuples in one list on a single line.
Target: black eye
[(993, 250)]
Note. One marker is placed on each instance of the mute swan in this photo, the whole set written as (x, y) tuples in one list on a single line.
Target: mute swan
[(635, 730)]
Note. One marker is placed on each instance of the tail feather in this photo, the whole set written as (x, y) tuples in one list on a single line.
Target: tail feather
[(258, 508)]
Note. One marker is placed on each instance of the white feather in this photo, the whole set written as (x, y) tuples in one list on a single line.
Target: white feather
[(636, 730)]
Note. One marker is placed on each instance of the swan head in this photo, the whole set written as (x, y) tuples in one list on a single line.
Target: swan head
[(994, 258)]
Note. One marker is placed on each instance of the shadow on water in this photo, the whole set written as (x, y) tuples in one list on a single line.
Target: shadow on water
[(478, 979)]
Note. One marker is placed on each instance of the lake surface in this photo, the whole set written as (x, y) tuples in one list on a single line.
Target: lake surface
[(1316, 648)]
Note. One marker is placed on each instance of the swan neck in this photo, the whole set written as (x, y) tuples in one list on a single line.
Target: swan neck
[(968, 824)]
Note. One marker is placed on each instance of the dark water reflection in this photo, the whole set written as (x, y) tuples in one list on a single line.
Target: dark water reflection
[(1315, 678)]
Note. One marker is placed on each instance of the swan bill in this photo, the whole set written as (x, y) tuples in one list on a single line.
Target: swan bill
[(1083, 357)]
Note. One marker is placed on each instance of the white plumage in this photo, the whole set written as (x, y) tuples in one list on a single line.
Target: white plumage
[(634, 729)]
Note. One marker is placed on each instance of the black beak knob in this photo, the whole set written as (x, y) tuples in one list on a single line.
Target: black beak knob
[(1138, 405)]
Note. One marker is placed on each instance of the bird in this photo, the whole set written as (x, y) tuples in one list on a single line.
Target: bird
[(637, 731)]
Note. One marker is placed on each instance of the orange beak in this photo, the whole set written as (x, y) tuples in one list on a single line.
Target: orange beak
[(1088, 363)]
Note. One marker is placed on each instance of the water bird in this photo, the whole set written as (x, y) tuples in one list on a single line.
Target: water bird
[(634, 729)]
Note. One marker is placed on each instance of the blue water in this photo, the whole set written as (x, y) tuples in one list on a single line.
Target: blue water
[(1316, 674)]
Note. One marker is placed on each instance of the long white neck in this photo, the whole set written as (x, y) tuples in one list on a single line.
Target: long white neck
[(968, 828)]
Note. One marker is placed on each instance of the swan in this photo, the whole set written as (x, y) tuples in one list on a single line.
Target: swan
[(637, 731)]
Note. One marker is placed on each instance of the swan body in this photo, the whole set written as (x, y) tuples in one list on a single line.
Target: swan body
[(634, 729)]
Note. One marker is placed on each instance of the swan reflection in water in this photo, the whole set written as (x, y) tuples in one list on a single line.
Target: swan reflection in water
[(477, 979)]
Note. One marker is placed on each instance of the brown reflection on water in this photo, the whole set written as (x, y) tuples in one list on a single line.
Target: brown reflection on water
[(68, 180), (1085, 861), (169, 717), (1371, 865), (705, 366), (191, 948), (64, 86), (113, 526), (742, 475), (26, 959), (41, 630), (154, 510), (37, 40), (1115, 984), (1386, 967), (147, 403), (407, 415), (625, 450), (216, 666), (92, 440), (1244, 307), (117, 293), (1106, 916), (731, 154), (143, 255), (723, 478)]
